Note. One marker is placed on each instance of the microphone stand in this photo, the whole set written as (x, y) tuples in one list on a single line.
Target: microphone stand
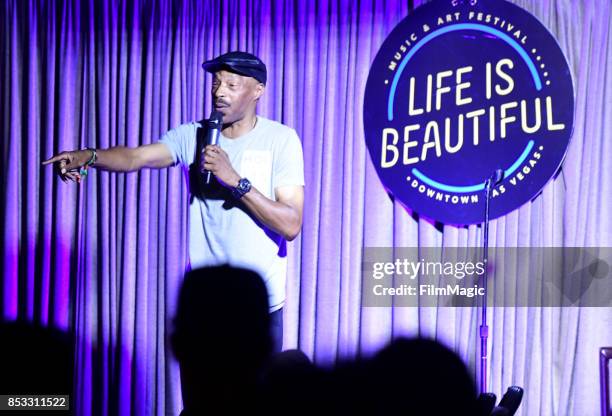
[(484, 328)]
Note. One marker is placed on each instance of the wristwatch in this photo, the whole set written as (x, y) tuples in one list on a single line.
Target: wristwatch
[(244, 186)]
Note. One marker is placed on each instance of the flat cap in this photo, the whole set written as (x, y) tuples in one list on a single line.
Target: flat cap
[(241, 63)]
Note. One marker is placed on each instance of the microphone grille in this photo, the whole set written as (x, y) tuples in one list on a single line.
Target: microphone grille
[(216, 118), (499, 176)]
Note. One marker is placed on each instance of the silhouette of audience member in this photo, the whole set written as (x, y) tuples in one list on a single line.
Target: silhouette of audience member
[(35, 360), (423, 376), (291, 381), (408, 377), (222, 340), (350, 388)]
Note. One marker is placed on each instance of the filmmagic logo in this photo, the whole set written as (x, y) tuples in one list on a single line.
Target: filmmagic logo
[(458, 90)]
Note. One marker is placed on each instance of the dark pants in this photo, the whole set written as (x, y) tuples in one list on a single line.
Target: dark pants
[(276, 330)]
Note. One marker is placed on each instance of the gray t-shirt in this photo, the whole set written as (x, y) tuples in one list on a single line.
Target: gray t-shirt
[(222, 230)]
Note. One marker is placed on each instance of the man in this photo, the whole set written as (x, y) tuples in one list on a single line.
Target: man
[(254, 206)]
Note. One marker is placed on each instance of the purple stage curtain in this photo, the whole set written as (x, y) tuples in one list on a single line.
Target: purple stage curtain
[(105, 258)]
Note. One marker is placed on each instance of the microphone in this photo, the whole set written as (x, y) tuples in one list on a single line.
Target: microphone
[(496, 178), (212, 137)]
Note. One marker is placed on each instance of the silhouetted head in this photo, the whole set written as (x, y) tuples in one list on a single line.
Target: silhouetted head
[(221, 335), (292, 381), (35, 359), (222, 313), (421, 376)]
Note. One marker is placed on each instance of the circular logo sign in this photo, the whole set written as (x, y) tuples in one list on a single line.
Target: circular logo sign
[(459, 90)]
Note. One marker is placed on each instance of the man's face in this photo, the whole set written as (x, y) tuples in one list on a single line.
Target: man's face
[(234, 95)]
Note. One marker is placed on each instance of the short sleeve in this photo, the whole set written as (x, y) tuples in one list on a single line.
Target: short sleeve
[(289, 163), (181, 142)]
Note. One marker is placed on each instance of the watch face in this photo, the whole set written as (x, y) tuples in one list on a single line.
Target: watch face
[(244, 185), (242, 188)]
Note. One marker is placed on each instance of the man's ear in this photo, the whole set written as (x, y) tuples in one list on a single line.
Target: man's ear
[(259, 90)]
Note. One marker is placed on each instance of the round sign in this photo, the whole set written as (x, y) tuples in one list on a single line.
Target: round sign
[(459, 90)]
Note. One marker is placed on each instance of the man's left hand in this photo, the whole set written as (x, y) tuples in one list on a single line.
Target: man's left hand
[(216, 161)]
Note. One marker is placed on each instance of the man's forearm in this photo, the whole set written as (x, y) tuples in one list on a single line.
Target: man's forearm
[(277, 216), (284, 216), (117, 159)]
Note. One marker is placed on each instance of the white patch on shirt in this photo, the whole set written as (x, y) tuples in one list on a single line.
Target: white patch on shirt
[(256, 166)]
